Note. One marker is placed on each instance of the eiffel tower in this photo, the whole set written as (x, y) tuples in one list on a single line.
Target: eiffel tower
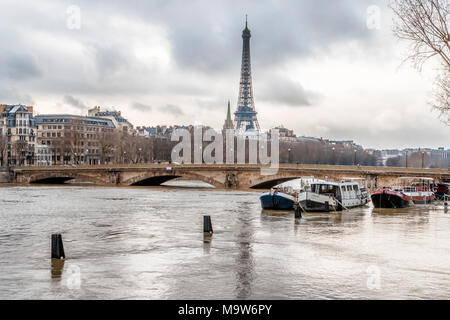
[(245, 116)]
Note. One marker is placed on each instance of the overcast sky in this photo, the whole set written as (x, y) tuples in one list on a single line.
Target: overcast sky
[(317, 66)]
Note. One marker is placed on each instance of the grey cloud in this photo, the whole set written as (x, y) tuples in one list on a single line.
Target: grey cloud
[(12, 96), (171, 109), (19, 66), (74, 102), (141, 107), (204, 37), (111, 59), (281, 30), (278, 89)]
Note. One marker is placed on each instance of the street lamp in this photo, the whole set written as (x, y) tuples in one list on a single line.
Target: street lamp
[(289, 155), (334, 161), (354, 158), (407, 158), (423, 154)]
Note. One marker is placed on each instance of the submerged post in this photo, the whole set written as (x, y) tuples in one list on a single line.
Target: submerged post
[(57, 247), (297, 211), (207, 225)]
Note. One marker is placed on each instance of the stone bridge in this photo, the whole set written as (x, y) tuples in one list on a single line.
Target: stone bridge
[(229, 176)]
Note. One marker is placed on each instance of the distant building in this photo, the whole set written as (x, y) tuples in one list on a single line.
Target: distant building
[(71, 138), (43, 155), (17, 135), (162, 131), (286, 134), (303, 138), (120, 123), (390, 153), (440, 158), (378, 156), (345, 143)]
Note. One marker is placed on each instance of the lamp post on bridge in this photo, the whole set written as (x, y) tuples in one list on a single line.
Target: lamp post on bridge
[(406, 158), (423, 154), (139, 155), (334, 155)]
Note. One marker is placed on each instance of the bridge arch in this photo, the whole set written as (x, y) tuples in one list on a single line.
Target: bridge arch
[(156, 179), (271, 182), (61, 178)]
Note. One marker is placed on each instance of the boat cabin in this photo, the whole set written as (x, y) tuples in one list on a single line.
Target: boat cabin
[(341, 191)]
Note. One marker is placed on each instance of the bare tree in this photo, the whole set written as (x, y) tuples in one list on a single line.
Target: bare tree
[(107, 142), (20, 148), (424, 24), (3, 150)]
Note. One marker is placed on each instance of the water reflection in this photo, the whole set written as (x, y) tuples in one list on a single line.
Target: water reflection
[(245, 263), (57, 266), (207, 238)]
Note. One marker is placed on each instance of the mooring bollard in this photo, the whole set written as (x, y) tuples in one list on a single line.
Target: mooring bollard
[(57, 247), (207, 225)]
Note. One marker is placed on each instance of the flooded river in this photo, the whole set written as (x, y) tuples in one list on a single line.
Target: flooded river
[(147, 243)]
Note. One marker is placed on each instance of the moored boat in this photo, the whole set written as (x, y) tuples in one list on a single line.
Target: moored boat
[(277, 199), (441, 190), (413, 190), (390, 198), (332, 196)]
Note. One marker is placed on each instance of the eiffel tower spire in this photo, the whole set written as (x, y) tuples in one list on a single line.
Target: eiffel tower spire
[(245, 116)]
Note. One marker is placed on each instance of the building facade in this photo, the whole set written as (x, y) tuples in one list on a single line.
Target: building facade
[(17, 135), (43, 155), (73, 139), (120, 123)]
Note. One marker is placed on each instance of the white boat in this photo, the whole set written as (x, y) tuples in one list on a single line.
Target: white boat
[(332, 196)]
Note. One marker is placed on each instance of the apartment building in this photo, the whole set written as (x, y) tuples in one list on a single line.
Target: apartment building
[(121, 124), (17, 135), (72, 139)]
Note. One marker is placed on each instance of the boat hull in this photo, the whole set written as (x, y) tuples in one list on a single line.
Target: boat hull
[(313, 202), (315, 206), (389, 199), (277, 201)]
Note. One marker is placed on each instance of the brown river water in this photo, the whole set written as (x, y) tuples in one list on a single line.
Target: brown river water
[(147, 243)]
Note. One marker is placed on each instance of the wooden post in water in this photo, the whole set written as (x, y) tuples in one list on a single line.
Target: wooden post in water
[(207, 225), (297, 211), (57, 247)]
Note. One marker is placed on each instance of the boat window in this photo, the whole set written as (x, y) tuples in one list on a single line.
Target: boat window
[(355, 187), (322, 188)]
